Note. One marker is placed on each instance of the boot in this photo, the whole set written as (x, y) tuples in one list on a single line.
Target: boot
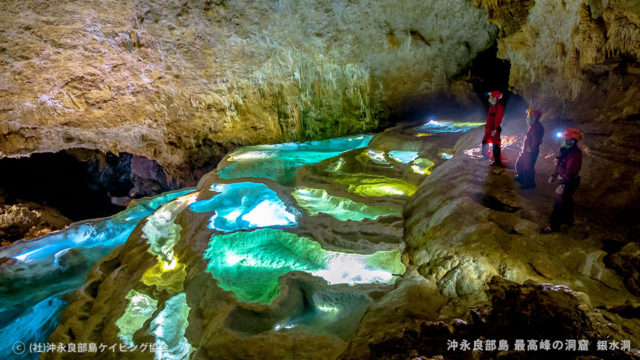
[(497, 161), (485, 151)]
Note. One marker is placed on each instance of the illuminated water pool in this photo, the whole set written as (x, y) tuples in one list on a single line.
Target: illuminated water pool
[(168, 327), (162, 234), (244, 205), (30, 303), (250, 263), (280, 162), (422, 166), (139, 309), (376, 185), (443, 126), (404, 157), (316, 201), (247, 253)]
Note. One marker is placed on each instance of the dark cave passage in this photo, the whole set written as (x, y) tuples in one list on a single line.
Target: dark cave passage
[(488, 73), (485, 73), (81, 183)]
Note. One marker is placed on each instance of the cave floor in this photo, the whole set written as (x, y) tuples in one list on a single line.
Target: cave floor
[(358, 247)]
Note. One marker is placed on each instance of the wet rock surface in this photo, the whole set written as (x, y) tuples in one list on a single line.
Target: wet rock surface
[(473, 238), (178, 86), (313, 314), (27, 221), (627, 263), (528, 311), (477, 268)]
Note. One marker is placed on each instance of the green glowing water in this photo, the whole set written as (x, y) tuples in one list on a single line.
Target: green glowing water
[(250, 263), (169, 327), (376, 185), (280, 162), (422, 166), (140, 308), (433, 126), (161, 232), (316, 201), (168, 274)]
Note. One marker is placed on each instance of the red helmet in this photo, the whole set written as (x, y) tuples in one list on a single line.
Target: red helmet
[(496, 94), (572, 134), (535, 113)]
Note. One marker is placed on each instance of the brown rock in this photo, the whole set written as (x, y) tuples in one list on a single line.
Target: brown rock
[(627, 263), (576, 61), (184, 84), (29, 220)]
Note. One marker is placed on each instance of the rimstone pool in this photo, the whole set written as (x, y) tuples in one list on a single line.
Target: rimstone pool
[(261, 213)]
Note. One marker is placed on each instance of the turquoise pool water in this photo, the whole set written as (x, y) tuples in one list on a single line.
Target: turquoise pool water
[(249, 249)]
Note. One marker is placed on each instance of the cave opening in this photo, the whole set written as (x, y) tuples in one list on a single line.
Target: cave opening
[(81, 183), (485, 73)]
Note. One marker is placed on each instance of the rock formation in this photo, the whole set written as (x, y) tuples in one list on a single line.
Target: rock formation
[(578, 61), (384, 246), (27, 221), (183, 83), (476, 265)]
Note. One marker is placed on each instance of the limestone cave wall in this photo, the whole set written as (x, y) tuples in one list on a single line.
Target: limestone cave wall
[(578, 61), (184, 82)]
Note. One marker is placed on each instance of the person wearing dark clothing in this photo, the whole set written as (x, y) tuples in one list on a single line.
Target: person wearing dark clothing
[(525, 165), (492, 128), (567, 175)]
